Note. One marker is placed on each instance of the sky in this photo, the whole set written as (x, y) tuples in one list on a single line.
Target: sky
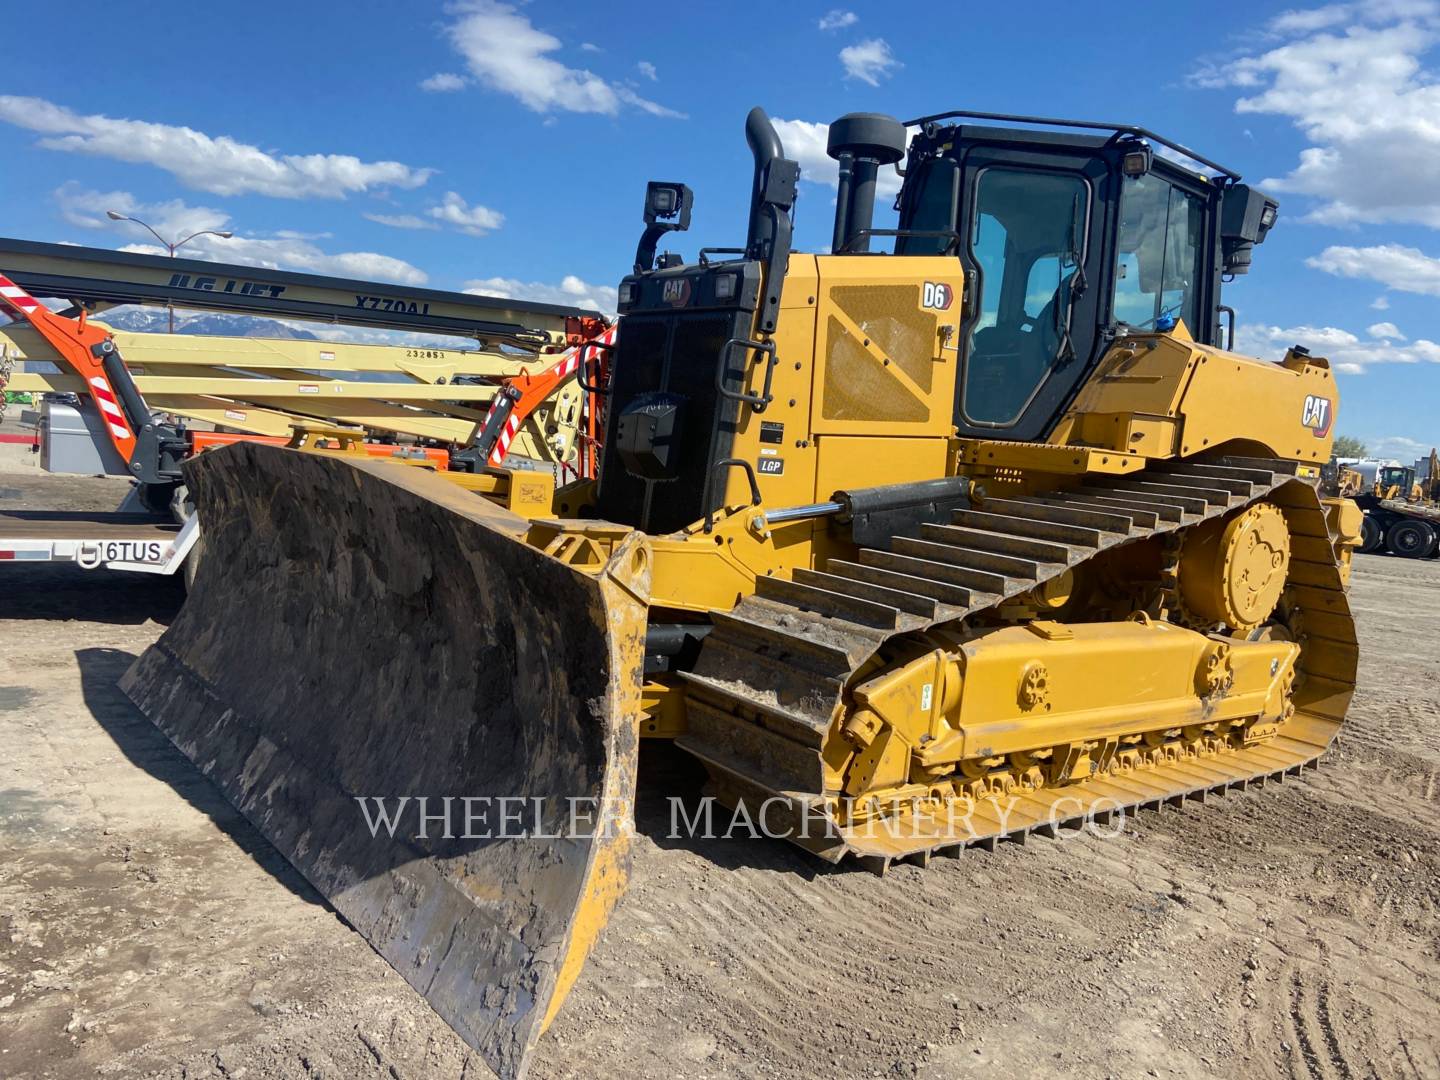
[(504, 147)]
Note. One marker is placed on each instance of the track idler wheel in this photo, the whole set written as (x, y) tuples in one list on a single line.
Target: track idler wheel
[(1233, 570)]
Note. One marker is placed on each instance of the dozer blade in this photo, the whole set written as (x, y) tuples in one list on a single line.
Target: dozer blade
[(363, 630)]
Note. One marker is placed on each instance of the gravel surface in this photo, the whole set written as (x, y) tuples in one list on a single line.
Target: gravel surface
[(1290, 931)]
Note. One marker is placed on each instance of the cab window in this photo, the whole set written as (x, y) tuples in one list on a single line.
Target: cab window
[(933, 210), (1160, 255), (1027, 242)]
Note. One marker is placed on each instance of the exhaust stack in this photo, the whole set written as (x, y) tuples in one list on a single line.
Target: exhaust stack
[(766, 148)]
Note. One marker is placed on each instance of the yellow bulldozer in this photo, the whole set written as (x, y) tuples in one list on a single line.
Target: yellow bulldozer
[(984, 536)]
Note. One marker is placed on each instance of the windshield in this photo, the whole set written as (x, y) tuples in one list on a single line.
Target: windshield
[(1159, 264), (1391, 475)]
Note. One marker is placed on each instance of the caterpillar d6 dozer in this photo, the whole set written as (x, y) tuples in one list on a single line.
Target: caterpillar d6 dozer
[(913, 551)]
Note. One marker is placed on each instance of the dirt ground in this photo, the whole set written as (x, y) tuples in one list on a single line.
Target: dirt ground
[(1291, 931)]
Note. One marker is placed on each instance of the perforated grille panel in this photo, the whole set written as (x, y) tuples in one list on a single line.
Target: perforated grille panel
[(859, 385)]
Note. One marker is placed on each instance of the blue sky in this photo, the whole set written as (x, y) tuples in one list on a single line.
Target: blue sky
[(505, 148)]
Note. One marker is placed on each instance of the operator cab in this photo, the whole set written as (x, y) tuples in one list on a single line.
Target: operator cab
[(1068, 241), (1395, 476)]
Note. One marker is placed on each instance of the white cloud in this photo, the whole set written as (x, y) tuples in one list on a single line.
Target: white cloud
[(475, 220), (1387, 330), (648, 70), (280, 253), (838, 19), (400, 221), (1404, 269), (505, 51), (590, 46), (629, 97), (1380, 303), (869, 61), (1347, 353), (1351, 77), (1398, 446), (174, 220), (571, 291), (219, 164), (1308, 21), (443, 82), (805, 142)]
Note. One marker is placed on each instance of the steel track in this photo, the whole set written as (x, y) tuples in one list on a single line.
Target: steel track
[(774, 673)]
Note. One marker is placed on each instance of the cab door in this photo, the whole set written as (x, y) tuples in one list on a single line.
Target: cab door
[(1031, 225)]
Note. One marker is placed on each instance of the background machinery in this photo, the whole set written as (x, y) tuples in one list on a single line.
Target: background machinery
[(489, 377), (911, 551), (1402, 513)]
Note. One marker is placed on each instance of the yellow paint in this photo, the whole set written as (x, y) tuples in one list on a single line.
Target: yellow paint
[(260, 386), (1233, 570), (624, 585), (663, 703), (1162, 395)]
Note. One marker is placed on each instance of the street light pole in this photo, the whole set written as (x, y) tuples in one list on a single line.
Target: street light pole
[(115, 215)]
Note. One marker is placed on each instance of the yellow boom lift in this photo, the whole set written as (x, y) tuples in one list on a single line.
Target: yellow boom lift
[(438, 388), (489, 377), (912, 551)]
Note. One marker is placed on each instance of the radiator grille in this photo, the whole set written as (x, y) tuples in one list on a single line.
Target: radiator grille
[(674, 355)]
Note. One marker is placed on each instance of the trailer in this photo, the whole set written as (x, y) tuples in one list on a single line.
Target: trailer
[(138, 542), (1399, 526)]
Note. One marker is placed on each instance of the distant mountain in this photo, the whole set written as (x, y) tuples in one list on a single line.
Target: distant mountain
[(147, 320)]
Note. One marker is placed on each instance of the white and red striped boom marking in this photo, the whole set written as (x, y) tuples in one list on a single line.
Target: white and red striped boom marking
[(110, 406), (18, 300), (565, 368), (13, 296)]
